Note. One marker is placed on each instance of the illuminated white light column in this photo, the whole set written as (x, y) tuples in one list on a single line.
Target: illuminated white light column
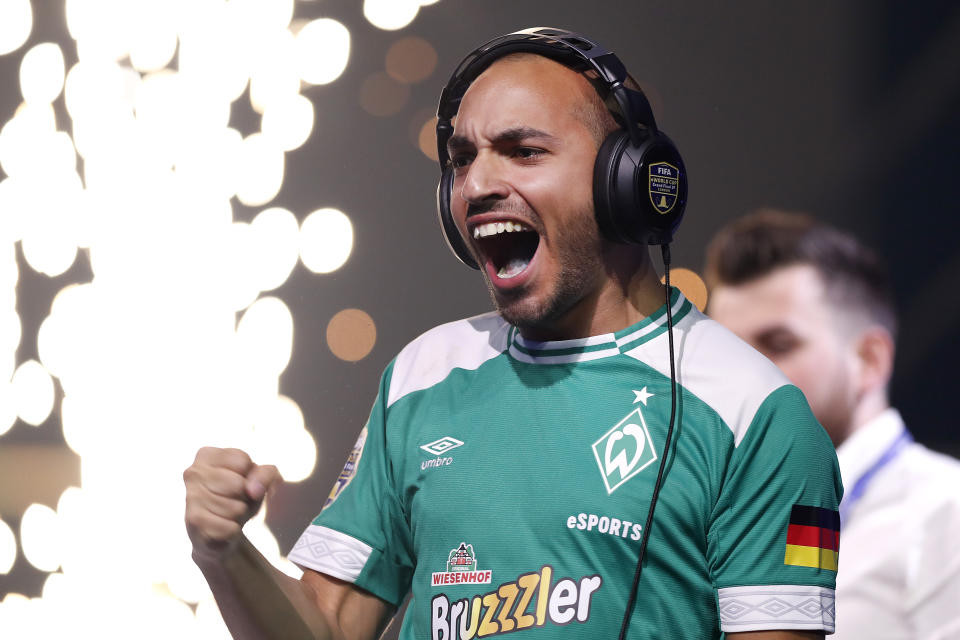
[(149, 355)]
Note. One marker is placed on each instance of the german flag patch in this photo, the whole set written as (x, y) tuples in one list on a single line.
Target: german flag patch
[(813, 538)]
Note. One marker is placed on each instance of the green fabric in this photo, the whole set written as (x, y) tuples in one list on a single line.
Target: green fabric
[(526, 491)]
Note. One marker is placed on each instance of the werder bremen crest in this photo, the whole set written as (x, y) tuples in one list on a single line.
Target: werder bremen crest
[(626, 449)]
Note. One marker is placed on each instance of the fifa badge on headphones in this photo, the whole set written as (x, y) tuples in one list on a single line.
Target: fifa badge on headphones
[(663, 183)]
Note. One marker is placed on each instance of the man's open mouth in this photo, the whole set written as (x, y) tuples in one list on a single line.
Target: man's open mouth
[(508, 245)]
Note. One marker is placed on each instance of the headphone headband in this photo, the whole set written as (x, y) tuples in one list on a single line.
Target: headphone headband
[(601, 67), (639, 183)]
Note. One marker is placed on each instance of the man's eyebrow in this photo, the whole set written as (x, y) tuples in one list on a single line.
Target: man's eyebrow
[(458, 142), (518, 134), (511, 135)]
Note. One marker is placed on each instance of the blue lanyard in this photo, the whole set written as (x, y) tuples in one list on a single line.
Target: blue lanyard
[(860, 486)]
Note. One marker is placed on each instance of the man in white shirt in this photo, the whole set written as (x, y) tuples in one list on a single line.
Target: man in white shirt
[(818, 304)]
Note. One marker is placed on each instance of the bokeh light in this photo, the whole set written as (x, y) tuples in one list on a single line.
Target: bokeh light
[(259, 170), (42, 73), (8, 407), (381, 95), (351, 334), (212, 52), (276, 234), (265, 15), (410, 60), (10, 329), (210, 624), (427, 140), (33, 389), (19, 157), (239, 245), (40, 537), (273, 71), (173, 344), (690, 284), (281, 437), (265, 335), (16, 613), (322, 50), (16, 22), (153, 40), (326, 240), (288, 121), (390, 15), (8, 548)]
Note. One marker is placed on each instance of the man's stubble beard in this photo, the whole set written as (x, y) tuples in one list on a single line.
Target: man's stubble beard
[(578, 252)]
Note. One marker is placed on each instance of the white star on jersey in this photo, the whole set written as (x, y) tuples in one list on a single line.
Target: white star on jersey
[(642, 396)]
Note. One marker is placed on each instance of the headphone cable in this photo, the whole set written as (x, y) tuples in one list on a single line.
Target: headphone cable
[(665, 252)]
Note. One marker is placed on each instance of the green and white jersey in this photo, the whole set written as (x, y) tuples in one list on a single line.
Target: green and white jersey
[(506, 483)]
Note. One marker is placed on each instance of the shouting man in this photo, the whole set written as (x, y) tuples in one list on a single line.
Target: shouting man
[(594, 458)]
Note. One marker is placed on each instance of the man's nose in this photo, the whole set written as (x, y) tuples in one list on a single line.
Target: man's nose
[(484, 180)]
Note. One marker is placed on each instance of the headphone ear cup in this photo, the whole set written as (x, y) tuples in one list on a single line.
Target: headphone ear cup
[(451, 232), (605, 170), (639, 192), (660, 189)]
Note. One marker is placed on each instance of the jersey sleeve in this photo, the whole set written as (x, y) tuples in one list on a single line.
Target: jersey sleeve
[(361, 535), (774, 535)]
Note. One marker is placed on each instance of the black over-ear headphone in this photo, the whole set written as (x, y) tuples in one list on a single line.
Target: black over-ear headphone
[(639, 181)]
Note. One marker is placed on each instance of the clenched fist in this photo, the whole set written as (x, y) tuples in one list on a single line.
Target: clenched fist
[(224, 490)]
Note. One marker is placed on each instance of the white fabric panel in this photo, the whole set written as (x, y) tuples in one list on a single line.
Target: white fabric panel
[(565, 359), (573, 343), (653, 326), (330, 552), (464, 344), (717, 367), (776, 607)]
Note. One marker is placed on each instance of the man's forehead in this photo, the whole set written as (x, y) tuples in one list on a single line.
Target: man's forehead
[(526, 61), (528, 91), (535, 74)]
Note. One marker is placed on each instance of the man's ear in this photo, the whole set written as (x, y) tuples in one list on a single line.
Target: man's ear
[(875, 353)]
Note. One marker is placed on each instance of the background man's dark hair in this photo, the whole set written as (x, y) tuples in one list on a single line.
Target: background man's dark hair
[(855, 278)]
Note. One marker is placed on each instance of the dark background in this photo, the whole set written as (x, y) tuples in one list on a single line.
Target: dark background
[(844, 110)]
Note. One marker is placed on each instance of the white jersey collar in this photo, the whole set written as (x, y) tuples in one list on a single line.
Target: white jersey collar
[(602, 346)]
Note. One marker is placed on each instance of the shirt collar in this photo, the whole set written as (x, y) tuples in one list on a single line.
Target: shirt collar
[(602, 346), (861, 450)]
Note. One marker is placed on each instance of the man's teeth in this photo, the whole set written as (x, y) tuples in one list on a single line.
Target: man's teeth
[(493, 228), (513, 268)]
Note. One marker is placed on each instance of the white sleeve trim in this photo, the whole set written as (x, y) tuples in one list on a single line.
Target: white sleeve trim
[(331, 552), (770, 607)]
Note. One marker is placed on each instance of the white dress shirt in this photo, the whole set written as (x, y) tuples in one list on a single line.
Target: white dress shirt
[(899, 570)]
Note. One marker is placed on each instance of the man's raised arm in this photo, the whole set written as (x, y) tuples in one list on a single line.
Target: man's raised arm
[(258, 601)]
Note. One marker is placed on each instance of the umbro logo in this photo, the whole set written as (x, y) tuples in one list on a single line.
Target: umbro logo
[(444, 444)]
